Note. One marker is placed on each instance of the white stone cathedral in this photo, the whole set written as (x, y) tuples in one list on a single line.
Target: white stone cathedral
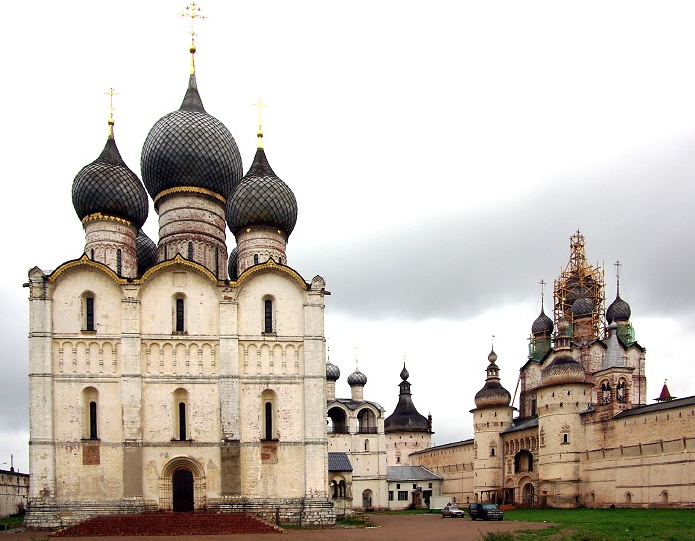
[(170, 376)]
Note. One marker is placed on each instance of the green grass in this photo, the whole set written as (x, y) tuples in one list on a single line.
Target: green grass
[(403, 512), (606, 524), (12, 522)]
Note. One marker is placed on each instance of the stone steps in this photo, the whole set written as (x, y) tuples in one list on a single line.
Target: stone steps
[(168, 523)]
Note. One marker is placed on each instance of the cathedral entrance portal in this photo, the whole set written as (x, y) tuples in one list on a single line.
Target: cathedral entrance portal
[(182, 489)]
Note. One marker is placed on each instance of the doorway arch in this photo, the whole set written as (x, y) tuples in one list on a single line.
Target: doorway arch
[(182, 493)]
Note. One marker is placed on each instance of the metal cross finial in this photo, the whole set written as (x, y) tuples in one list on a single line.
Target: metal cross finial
[(192, 11), (259, 104), (111, 93), (618, 264), (493, 341), (356, 348), (542, 283)]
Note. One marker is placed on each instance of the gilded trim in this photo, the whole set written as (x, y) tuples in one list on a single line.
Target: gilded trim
[(84, 261), (270, 264), (189, 189), (99, 216), (178, 260)]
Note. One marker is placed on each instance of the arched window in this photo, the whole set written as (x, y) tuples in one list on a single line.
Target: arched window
[(190, 250), (181, 415), (366, 445), (92, 256), (366, 421), (255, 259), (268, 414), (217, 262), (621, 392), (268, 312), (337, 421), (88, 308), (664, 497), (628, 497), (179, 314), (119, 262), (166, 253), (90, 397), (605, 392)]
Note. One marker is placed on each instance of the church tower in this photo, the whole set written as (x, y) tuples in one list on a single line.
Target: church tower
[(491, 415), (406, 429), (563, 395)]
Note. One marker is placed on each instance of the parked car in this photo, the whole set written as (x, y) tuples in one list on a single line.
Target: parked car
[(452, 511), (486, 511)]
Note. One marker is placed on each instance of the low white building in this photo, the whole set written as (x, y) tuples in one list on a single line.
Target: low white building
[(412, 486), (14, 489)]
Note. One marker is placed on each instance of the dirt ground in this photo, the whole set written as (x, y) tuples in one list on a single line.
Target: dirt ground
[(386, 528)]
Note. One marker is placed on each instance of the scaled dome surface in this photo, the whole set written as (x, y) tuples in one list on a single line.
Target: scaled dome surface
[(492, 394), (108, 187), (232, 267), (146, 251), (583, 306), (261, 198), (619, 310), (562, 369), (332, 372), (357, 378), (542, 324), (190, 148)]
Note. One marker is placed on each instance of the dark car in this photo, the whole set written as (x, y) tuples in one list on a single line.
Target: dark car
[(452, 511), (486, 511)]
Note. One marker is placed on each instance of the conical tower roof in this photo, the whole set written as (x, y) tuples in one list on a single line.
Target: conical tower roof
[(405, 418)]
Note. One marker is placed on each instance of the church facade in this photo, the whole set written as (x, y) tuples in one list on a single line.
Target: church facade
[(584, 434), (171, 375)]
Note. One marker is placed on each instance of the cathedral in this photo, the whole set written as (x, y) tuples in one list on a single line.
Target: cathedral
[(171, 375), (583, 434)]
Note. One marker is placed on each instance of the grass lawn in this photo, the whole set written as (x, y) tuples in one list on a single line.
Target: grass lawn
[(10, 523), (606, 524)]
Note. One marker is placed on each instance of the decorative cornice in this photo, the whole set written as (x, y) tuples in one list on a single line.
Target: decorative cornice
[(84, 261), (270, 264), (178, 260), (188, 189), (99, 216)]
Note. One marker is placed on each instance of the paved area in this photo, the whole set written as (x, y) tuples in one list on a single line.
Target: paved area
[(387, 528)]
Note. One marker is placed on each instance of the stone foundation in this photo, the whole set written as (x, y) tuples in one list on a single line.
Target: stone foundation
[(49, 514)]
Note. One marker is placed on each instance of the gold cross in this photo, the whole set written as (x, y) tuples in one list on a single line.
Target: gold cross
[(192, 11), (356, 348), (111, 93), (542, 283), (259, 104)]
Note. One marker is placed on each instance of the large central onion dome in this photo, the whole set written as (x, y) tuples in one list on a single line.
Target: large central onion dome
[(108, 187), (261, 198), (492, 393), (190, 148)]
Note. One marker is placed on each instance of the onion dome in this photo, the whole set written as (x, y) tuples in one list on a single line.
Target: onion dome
[(146, 251), (492, 393), (563, 369), (333, 372), (406, 418), (357, 378), (542, 324), (619, 310), (190, 148), (232, 267), (582, 307), (261, 198), (108, 187)]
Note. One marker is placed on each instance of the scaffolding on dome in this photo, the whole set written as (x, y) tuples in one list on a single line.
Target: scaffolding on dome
[(579, 280)]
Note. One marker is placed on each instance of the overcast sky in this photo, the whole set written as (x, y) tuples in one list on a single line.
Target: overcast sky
[(442, 154)]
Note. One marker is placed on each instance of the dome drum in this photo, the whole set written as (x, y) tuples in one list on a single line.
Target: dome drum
[(257, 244), (111, 241)]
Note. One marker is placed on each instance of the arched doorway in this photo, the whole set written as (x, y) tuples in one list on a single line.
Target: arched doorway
[(528, 493), (367, 499), (182, 489)]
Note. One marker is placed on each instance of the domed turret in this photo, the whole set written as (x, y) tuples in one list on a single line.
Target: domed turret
[(190, 148), (146, 252), (542, 324), (562, 369), (357, 378), (619, 310), (190, 165), (333, 372), (492, 393), (112, 204), (406, 418), (261, 213)]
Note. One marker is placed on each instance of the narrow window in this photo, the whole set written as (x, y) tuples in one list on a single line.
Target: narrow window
[(390, 495), (166, 253), (268, 421), (179, 315), (255, 259), (268, 326), (217, 262), (118, 262), (366, 445), (92, 254), (89, 313), (182, 421), (93, 420), (565, 438), (190, 250)]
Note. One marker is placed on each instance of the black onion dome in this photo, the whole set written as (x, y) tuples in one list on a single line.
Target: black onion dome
[(357, 378), (562, 369), (232, 267), (146, 251), (190, 148), (542, 324), (406, 418), (619, 310), (492, 394), (582, 307), (332, 372), (261, 198), (107, 186)]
